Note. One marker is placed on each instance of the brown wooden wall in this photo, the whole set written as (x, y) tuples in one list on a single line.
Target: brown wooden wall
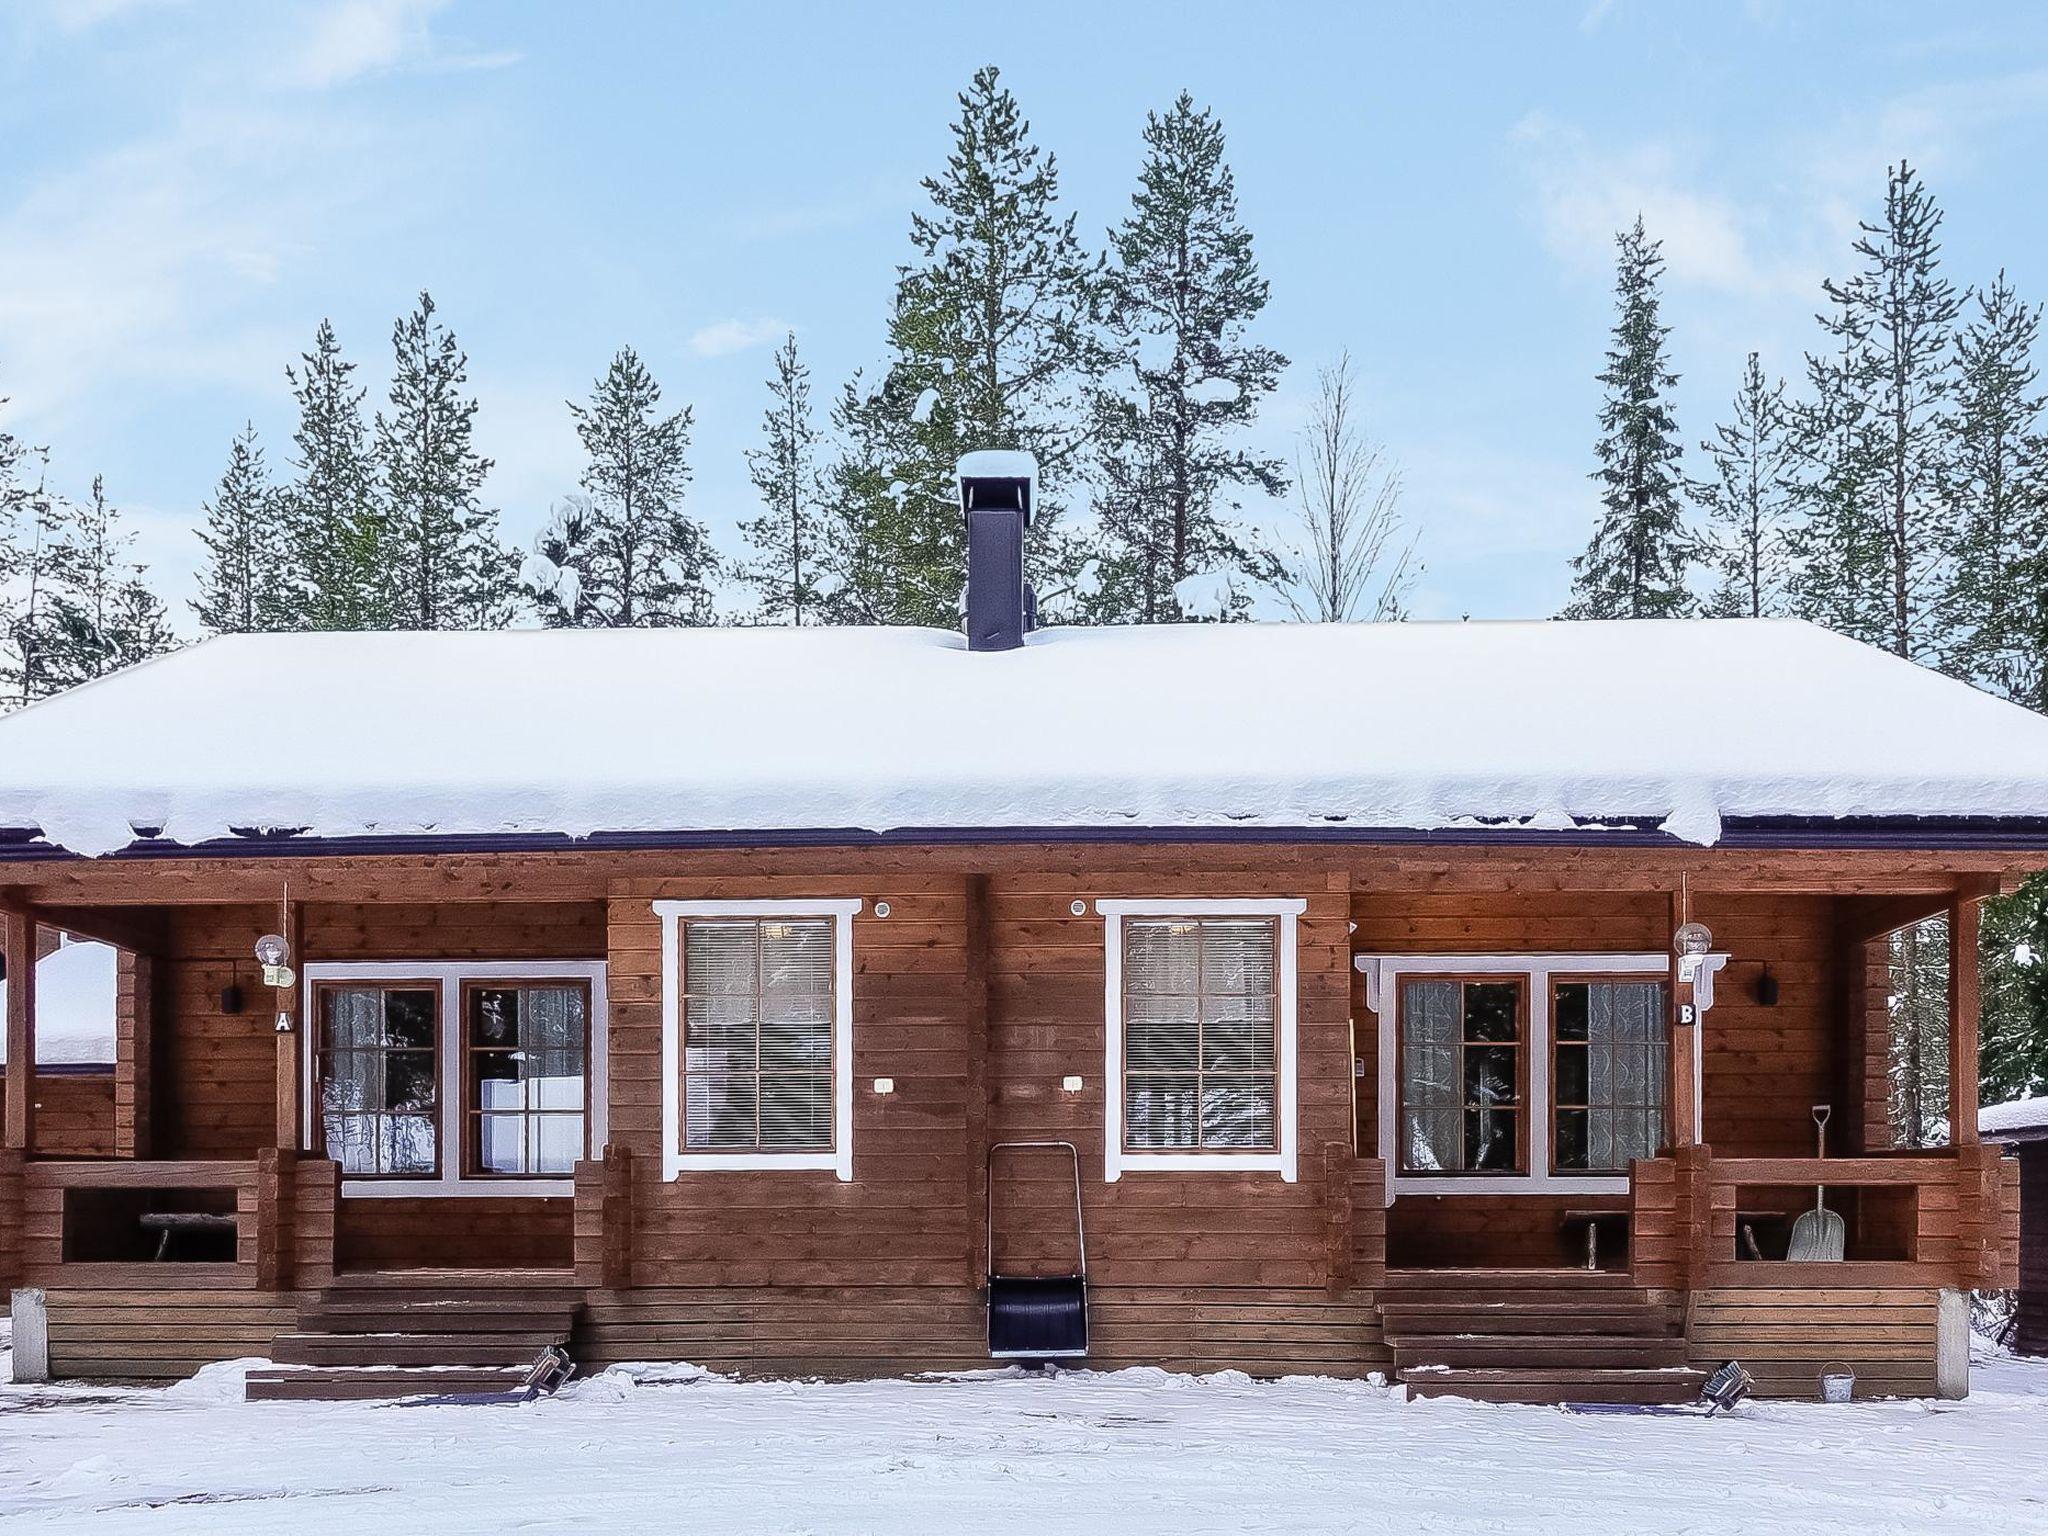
[(74, 1113), (2032, 1335), (1763, 1067)]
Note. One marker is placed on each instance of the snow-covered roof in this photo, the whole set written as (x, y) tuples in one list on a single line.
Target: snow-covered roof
[(74, 1006), (2019, 1116), (1366, 727)]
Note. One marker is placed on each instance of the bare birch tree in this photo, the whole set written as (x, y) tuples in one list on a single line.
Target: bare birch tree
[(1351, 555)]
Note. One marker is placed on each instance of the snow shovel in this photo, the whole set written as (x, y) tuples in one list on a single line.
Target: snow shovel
[(1818, 1236)]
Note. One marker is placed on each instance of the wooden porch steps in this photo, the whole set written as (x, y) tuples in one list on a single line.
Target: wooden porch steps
[(1535, 1336), (408, 1333)]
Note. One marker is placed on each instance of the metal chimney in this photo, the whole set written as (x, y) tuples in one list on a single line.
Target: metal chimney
[(996, 492)]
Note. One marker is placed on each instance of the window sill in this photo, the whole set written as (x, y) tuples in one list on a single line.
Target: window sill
[(1510, 1184), (455, 1189), (1199, 1162), (762, 1162)]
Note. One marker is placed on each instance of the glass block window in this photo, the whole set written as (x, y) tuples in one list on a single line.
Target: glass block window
[(1199, 1002), (378, 1077), (1461, 1045), (528, 1054), (757, 1034), (1607, 1079)]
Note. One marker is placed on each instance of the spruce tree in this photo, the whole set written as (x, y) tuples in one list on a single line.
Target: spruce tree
[(1749, 501), (32, 635), (1635, 565), (2013, 1053), (1877, 550), (335, 538), (1183, 291), (643, 561), (993, 342), (443, 565), (1998, 496), (102, 616), (865, 519), (241, 587), (789, 564)]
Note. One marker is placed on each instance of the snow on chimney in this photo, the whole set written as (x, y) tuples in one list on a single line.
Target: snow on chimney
[(996, 491)]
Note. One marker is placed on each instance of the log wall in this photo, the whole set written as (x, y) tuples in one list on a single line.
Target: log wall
[(74, 1113)]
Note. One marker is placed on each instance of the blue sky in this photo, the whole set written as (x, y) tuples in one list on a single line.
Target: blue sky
[(187, 188)]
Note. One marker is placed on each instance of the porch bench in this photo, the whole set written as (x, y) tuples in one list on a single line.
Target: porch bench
[(1591, 1220), (167, 1224)]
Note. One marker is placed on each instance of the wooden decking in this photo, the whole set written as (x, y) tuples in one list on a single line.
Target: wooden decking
[(1536, 1336), (408, 1333)]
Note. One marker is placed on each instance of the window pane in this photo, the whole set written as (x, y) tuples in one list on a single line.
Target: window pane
[(1571, 1140), (1237, 1112), (409, 1019), (1160, 1047), (1432, 1023), (1160, 1113), (557, 1142), (1435, 1141), (1490, 1011), (1199, 1001), (351, 1017), (1490, 1074), (408, 1080), (1569, 1011), (1622, 1081), (1490, 1140), (758, 1034), (1571, 1075), (720, 1111), (796, 1111)]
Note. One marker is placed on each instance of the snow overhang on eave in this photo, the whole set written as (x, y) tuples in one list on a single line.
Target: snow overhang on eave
[(1962, 834)]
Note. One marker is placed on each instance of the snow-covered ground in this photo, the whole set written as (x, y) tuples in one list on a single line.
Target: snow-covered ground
[(1134, 1452)]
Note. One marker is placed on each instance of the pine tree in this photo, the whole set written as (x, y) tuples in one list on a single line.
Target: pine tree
[(241, 588), (102, 616), (553, 580), (1877, 550), (1635, 565), (1998, 496), (2013, 1053), (335, 537), (1183, 291), (865, 518), (789, 535), (993, 342), (32, 636), (1749, 500), (443, 565), (641, 560)]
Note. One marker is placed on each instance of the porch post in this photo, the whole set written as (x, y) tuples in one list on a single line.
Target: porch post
[(18, 943), (976, 1017), (1681, 1085), (1963, 1008), (290, 1026), (134, 1051)]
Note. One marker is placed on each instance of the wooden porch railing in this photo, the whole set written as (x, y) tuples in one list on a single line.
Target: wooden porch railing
[(283, 1228), (1951, 1214)]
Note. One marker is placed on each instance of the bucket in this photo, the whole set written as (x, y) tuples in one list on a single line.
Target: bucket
[(1837, 1382)]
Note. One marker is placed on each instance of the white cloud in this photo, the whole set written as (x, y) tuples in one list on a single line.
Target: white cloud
[(349, 39), (1586, 193), (730, 336)]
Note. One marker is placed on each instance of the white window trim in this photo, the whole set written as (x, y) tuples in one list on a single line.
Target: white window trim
[(674, 1157), (1383, 975), (1283, 1160), (451, 974)]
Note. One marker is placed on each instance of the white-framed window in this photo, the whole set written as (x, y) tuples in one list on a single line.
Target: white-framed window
[(1199, 1005), (757, 1034), (454, 1078), (1544, 1073)]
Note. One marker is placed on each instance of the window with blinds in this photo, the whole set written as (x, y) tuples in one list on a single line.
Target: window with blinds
[(757, 1034), (528, 1046), (1607, 1081), (1199, 1000), (378, 1077), (1461, 1076)]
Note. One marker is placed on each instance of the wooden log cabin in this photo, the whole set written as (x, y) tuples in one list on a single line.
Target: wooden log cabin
[(1444, 1000)]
